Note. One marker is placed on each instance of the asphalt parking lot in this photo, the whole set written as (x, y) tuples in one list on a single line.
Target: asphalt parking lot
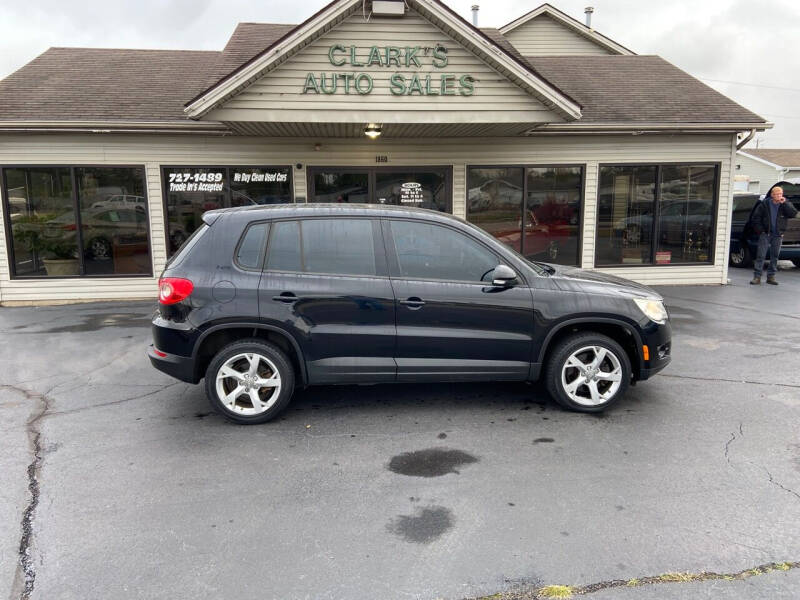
[(118, 482)]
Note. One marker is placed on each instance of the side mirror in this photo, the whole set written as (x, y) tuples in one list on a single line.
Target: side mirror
[(503, 276)]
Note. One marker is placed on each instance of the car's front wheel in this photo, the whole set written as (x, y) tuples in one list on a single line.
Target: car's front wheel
[(587, 372), (250, 381)]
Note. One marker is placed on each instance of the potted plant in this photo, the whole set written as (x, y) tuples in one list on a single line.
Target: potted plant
[(59, 255)]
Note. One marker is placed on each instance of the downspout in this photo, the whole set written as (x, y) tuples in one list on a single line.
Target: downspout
[(747, 139)]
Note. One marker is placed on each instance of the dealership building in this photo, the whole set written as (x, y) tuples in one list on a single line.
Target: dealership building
[(557, 140)]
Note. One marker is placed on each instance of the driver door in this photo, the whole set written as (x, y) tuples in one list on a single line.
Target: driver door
[(452, 324)]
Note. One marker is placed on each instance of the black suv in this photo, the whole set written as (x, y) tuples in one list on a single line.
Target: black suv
[(264, 299)]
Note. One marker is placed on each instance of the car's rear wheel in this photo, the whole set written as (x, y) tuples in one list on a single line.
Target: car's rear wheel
[(741, 258), (587, 372), (250, 381)]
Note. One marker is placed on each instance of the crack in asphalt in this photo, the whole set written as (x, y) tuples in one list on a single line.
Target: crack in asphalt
[(729, 442), (113, 402), (567, 591), (773, 481), (767, 383), (25, 576)]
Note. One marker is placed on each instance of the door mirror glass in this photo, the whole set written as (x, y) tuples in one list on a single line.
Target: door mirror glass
[(503, 275)]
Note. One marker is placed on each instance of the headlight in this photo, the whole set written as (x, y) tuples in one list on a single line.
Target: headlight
[(653, 309)]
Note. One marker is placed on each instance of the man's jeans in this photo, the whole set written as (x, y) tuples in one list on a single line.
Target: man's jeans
[(773, 244)]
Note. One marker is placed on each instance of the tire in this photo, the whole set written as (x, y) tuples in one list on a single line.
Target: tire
[(100, 248), (600, 393), (741, 259), (273, 368)]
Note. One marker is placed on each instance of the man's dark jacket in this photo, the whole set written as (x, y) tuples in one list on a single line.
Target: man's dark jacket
[(760, 220)]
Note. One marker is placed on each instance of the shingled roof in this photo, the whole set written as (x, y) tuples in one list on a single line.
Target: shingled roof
[(644, 89), (100, 84), (782, 158), (92, 84)]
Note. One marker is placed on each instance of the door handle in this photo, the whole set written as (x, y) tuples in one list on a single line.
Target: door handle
[(413, 302), (287, 297)]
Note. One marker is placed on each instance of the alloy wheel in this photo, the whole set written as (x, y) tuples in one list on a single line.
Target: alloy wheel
[(591, 375), (248, 384)]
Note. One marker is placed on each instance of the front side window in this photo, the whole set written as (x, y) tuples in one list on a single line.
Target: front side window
[(68, 221), (662, 214), (426, 251), (534, 210), (191, 191)]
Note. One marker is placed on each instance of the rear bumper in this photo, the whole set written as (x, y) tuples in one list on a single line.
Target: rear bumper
[(179, 367)]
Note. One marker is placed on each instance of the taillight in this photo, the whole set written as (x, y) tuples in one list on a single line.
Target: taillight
[(173, 289)]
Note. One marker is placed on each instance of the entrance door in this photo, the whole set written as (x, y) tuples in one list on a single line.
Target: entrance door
[(420, 187)]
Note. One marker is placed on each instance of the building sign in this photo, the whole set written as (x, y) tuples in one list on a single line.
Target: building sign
[(411, 193), (434, 83), (196, 181), (259, 176)]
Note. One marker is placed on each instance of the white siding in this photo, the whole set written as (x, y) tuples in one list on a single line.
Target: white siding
[(756, 170), (278, 96), (154, 151), (544, 36)]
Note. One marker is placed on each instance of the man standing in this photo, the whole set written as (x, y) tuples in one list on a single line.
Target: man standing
[(769, 222)]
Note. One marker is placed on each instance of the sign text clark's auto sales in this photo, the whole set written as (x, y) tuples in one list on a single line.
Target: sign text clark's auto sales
[(400, 84)]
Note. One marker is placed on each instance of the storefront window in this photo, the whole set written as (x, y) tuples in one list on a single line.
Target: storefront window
[(626, 203), (59, 229), (686, 214), (553, 214), (655, 214), (535, 210), (418, 187), (191, 191), (494, 202), (113, 207)]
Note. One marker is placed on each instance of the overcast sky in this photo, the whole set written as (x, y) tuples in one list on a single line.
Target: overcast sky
[(737, 46)]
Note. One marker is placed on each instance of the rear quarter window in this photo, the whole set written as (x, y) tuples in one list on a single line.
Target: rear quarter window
[(250, 250), (187, 246)]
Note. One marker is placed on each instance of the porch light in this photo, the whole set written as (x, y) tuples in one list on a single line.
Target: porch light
[(372, 131)]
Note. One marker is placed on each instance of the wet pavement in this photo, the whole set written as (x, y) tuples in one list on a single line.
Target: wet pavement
[(119, 482)]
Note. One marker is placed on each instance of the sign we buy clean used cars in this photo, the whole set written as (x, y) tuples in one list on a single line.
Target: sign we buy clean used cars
[(434, 83)]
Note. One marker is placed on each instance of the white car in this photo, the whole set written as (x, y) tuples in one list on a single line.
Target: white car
[(122, 201)]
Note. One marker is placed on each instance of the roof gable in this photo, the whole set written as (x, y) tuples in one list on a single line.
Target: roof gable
[(539, 27), (787, 158), (461, 34)]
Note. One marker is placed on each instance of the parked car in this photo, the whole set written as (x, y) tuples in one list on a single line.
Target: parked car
[(744, 242), (264, 299), (101, 228), (122, 201)]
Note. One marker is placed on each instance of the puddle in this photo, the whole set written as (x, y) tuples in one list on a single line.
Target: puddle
[(95, 322), (433, 462), (425, 526)]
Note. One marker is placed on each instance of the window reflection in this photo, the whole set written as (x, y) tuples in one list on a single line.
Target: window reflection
[(114, 223), (494, 203), (553, 214), (686, 214), (43, 224), (626, 201)]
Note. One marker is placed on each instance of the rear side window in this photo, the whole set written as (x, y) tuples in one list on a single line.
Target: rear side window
[(329, 246), (187, 246), (426, 251), (284, 247), (251, 248), (338, 246)]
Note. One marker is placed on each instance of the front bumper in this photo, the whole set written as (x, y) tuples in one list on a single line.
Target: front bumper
[(179, 367), (658, 340)]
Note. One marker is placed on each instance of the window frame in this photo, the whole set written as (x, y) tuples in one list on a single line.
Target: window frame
[(372, 171), (76, 207), (525, 167), (394, 261), (226, 189), (378, 246), (262, 252), (717, 165)]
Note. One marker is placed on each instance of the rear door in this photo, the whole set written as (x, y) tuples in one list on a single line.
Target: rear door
[(452, 324), (325, 280)]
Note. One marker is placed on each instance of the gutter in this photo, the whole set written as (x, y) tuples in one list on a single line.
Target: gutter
[(749, 137), (642, 128), (209, 128)]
